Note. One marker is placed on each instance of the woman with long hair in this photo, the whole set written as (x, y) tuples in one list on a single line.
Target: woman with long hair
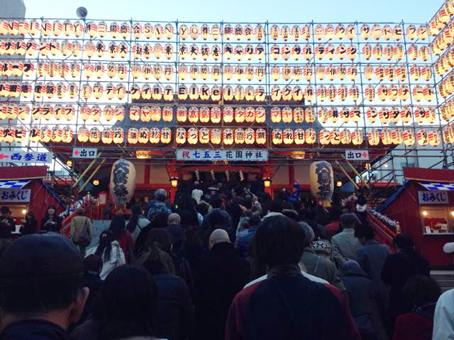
[(124, 237), (110, 252), (51, 221), (127, 308), (30, 224), (136, 222), (186, 208)]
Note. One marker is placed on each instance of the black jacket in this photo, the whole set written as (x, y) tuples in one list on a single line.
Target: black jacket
[(223, 274), (53, 224), (176, 311), (34, 329)]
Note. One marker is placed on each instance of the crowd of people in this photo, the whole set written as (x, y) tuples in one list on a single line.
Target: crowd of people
[(218, 264)]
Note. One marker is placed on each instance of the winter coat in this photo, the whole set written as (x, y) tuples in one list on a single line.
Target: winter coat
[(345, 246), (359, 288), (52, 224), (80, 226), (34, 329), (417, 325), (222, 275), (176, 311), (117, 259)]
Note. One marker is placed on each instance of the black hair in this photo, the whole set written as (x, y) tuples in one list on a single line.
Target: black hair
[(217, 220), (159, 220), (276, 207), (192, 239), (185, 201), (216, 201), (335, 213), (93, 263), (128, 304), (254, 220), (105, 244), (203, 208), (365, 231), (348, 220), (404, 242), (117, 226), (292, 214), (134, 219), (160, 237), (420, 291), (279, 241), (49, 207), (4, 210)]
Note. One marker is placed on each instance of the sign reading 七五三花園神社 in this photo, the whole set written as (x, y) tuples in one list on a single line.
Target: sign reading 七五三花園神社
[(15, 195), (25, 157), (85, 153), (433, 197), (357, 155), (247, 155)]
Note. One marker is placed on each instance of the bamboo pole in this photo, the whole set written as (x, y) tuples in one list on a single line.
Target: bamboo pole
[(347, 175), (86, 170), (356, 172), (92, 175)]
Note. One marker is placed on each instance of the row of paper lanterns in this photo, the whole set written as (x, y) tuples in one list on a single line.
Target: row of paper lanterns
[(194, 31), (446, 86), (194, 51), (89, 91), (216, 115), (227, 136), (441, 18), (146, 71), (447, 109), (444, 63)]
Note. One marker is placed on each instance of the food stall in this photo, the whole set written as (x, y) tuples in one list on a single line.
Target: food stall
[(424, 208)]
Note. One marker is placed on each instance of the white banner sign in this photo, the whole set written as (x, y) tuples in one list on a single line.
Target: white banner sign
[(357, 155), (26, 157), (85, 153), (15, 195), (433, 197), (222, 155)]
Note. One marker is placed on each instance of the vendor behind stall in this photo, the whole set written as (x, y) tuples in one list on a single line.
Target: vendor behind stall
[(7, 225)]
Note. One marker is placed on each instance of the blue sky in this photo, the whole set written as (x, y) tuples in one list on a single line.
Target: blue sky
[(417, 11)]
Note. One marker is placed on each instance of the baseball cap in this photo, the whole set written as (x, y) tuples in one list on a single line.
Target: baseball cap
[(38, 259), (448, 248)]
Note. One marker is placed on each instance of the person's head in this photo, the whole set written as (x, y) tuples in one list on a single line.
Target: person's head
[(128, 303), (93, 264), (136, 209), (218, 236), (309, 234), (217, 220), (196, 185), (105, 244), (161, 195), (30, 215), (254, 221), (279, 242), (80, 212), (4, 210), (364, 233), (174, 219), (41, 277), (420, 291), (159, 220), (159, 237), (185, 201), (203, 208), (192, 239), (335, 213), (349, 221), (134, 219), (118, 226), (216, 202), (292, 214), (51, 210), (276, 207), (404, 243)]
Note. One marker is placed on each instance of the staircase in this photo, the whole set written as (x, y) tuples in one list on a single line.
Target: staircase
[(445, 278)]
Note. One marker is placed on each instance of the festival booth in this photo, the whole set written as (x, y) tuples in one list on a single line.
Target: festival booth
[(22, 189), (424, 208)]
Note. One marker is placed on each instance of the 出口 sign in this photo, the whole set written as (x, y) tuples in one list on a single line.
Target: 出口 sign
[(357, 155), (246, 155)]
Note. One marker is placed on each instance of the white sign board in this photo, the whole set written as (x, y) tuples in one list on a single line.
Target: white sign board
[(15, 195), (201, 155), (433, 197), (26, 157), (357, 155), (85, 153)]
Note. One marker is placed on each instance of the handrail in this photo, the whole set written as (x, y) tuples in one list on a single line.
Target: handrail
[(67, 221), (383, 233)]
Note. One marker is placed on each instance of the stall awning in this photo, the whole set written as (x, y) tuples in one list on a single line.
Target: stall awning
[(13, 184), (438, 186)]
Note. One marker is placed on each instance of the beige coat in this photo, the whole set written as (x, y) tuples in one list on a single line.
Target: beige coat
[(78, 226)]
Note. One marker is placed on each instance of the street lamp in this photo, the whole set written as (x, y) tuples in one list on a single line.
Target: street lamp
[(96, 182), (69, 162), (174, 182), (267, 182)]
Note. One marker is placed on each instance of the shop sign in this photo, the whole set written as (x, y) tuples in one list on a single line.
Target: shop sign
[(85, 153), (246, 155), (15, 195), (357, 155), (26, 157), (433, 197)]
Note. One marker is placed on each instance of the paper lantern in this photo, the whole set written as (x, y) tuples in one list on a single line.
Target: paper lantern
[(357, 137), (166, 135), (193, 136), (433, 137), (324, 137), (345, 136), (227, 136), (133, 136), (287, 136), (108, 113), (330, 51), (386, 136), (180, 136), (418, 93), (260, 136), (34, 134), (276, 136), (354, 93), (428, 93), (322, 182), (95, 135), (122, 182), (275, 115), (422, 137), (409, 137), (82, 135), (249, 136), (323, 115)]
